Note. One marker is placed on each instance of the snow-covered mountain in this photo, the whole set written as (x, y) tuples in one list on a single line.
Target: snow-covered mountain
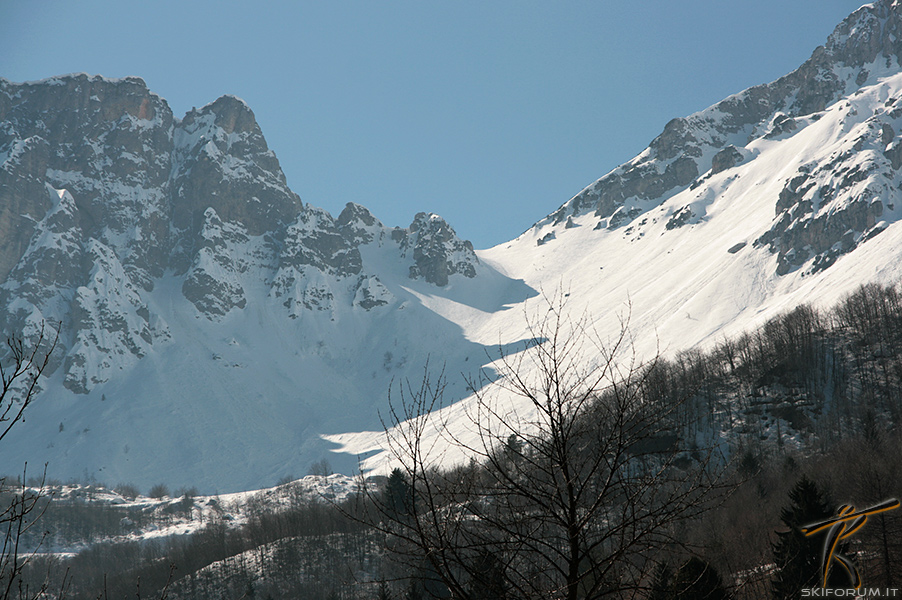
[(214, 327), (211, 324)]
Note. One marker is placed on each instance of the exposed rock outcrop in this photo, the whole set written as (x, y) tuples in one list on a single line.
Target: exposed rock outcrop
[(436, 250), (103, 195)]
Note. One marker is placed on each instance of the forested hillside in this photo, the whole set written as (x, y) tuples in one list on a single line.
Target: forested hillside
[(705, 459)]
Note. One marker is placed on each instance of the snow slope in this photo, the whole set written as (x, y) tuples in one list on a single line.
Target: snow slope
[(714, 257)]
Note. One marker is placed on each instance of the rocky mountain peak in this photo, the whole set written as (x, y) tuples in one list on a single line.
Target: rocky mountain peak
[(232, 115), (358, 224), (436, 250), (869, 32), (103, 195), (222, 161), (227, 115), (101, 140)]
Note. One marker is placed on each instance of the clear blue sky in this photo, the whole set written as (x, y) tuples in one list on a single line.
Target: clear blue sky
[(490, 113)]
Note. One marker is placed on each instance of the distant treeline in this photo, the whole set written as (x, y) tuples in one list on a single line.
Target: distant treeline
[(820, 375)]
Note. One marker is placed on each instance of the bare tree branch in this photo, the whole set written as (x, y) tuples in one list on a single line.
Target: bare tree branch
[(569, 496)]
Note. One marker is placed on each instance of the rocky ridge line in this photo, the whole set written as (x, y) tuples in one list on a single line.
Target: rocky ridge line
[(103, 194)]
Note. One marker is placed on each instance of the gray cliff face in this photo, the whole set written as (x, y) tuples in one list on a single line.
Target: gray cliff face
[(725, 159), (100, 140), (826, 209), (103, 195), (317, 241), (315, 257), (358, 224), (222, 162), (213, 283), (436, 250), (23, 198), (691, 149), (84, 189)]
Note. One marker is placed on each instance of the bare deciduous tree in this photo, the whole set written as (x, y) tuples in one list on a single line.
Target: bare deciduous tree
[(19, 377), (22, 505), (571, 496)]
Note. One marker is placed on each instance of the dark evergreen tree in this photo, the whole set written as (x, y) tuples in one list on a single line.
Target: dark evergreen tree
[(661, 585), (414, 591), (397, 496), (798, 558), (384, 593), (250, 591), (697, 580), (488, 578)]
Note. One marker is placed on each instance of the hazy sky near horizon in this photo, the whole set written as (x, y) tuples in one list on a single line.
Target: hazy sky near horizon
[(489, 113)]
